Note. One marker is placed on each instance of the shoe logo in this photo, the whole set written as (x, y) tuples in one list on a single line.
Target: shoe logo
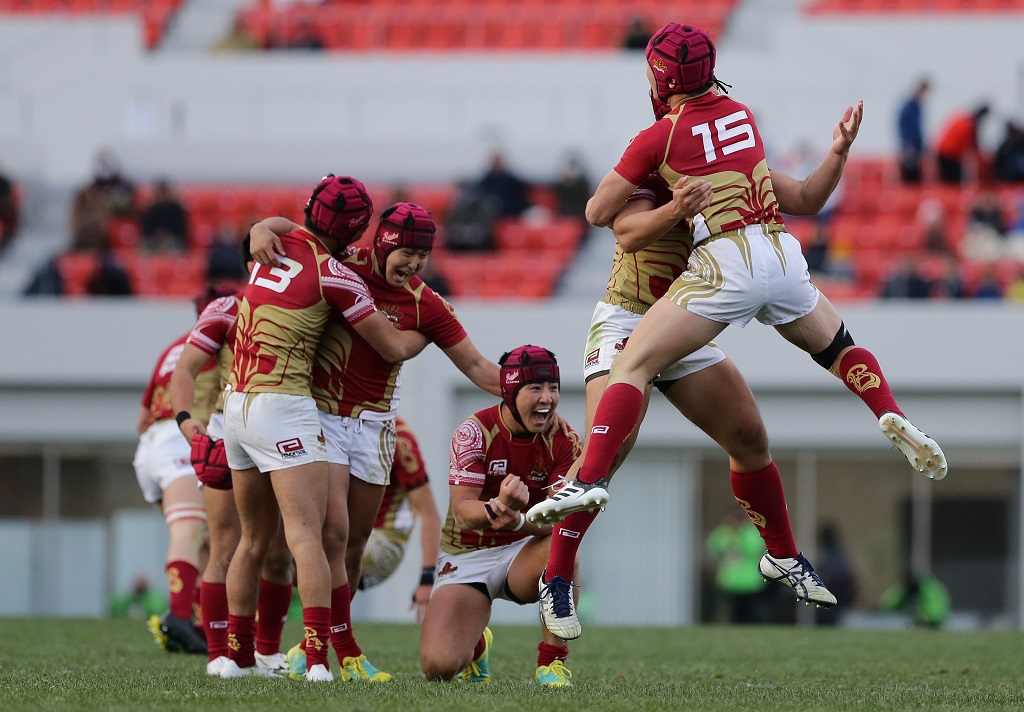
[(862, 379), (312, 639), (599, 430), (291, 448), (447, 571), (569, 533), (233, 642)]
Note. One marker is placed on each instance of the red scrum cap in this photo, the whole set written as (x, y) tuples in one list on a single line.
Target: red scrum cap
[(522, 365), (212, 293), (403, 225), (339, 207), (682, 58)]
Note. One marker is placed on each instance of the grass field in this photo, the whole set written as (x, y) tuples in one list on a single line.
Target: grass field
[(53, 664)]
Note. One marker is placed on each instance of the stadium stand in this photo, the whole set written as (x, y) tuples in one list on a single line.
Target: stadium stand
[(913, 6), (155, 14), (397, 25)]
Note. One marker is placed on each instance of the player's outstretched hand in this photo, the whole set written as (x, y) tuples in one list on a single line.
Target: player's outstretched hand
[(846, 130)]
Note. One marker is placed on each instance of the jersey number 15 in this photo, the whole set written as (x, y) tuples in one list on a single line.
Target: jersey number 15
[(727, 135)]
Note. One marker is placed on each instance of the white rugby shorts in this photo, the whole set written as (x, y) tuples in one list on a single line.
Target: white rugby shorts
[(366, 446), (163, 456), (215, 428), (609, 329), (487, 566), (272, 431), (739, 276)]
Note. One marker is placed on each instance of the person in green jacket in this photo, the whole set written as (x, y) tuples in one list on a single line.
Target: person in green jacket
[(924, 596), (736, 547)]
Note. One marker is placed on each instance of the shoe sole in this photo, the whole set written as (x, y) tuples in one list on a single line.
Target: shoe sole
[(923, 453), (550, 512)]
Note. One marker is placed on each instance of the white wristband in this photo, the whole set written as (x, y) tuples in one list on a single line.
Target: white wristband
[(522, 521)]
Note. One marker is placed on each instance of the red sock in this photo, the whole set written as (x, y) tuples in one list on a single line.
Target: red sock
[(565, 542), (271, 614), (547, 654), (241, 640), (181, 579), (861, 373), (317, 622), (760, 494), (481, 645), (617, 414), (342, 637), (213, 598)]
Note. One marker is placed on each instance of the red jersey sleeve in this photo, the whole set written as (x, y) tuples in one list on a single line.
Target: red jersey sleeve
[(467, 458), (211, 331), (409, 472), (440, 324), (346, 291), (645, 152)]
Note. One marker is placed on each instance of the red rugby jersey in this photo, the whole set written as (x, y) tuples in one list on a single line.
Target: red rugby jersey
[(157, 396), (214, 333), (349, 377), (283, 314), (483, 453), (712, 137)]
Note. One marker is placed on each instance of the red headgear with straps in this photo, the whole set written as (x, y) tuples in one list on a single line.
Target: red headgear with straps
[(522, 365), (339, 207), (403, 225), (682, 58)]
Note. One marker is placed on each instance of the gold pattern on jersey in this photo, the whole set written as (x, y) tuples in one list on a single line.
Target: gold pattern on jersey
[(285, 341), (641, 278), (862, 379)]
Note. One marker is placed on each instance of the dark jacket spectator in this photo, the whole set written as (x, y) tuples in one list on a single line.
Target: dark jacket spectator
[(165, 221), (110, 279), (910, 133), (509, 190), (224, 260), (47, 280), (9, 210), (572, 188), (470, 219), (1009, 159)]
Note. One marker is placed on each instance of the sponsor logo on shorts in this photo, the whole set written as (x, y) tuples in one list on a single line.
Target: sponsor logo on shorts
[(498, 468), (447, 571), (291, 448), (183, 461), (599, 430), (593, 357), (569, 533), (621, 345)]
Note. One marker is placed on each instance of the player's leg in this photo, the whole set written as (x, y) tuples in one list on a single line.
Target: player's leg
[(822, 334), (186, 525), (452, 635), (275, 600), (363, 504), (718, 401), (222, 523)]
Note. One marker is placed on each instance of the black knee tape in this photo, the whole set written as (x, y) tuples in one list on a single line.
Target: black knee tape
[(840, 341)]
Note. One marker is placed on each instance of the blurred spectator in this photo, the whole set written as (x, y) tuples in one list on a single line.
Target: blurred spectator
[(237, 39), (165, 222), (907, 282), (816, 252), (931, 221), (108, 195), (924, 597), (1009, 158), (834, 568), (46, 281), (736, 548), (110, 182), (948, 282), (470, 219), (638, 34), (306, 37), (987, 212), (572, 188), (508, 190), (1015, 289), (9, 210), (110, 279), (434, 279), (910, 132), (224, 260), (989, 286), (957, 147), (139, 603)]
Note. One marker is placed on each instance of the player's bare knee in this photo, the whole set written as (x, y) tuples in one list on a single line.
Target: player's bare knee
[(440, 668), (827, 357)]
